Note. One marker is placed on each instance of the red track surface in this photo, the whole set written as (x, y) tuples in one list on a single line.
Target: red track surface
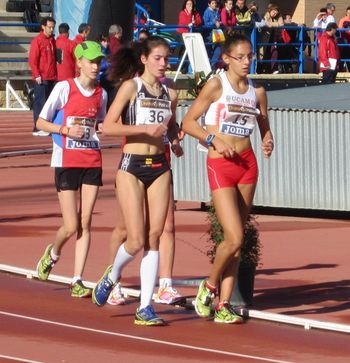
[(305, 273)]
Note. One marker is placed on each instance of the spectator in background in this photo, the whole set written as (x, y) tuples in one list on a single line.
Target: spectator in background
[(211, 20), (228, 16), (84, 31), (344, 23), (42, 62), (115, 36), (273, 20), (65, 54), (288, 52), (143, 34), (321, 18), (243, 15), (103, 40), (328, 54), (257, 19), (330, 8), (188, 16)]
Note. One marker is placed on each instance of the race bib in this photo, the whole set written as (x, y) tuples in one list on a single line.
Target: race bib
[(239, 121), (89, 139), (153, 111)]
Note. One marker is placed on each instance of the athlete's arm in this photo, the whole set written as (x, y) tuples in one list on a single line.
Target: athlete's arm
[(263, 122)]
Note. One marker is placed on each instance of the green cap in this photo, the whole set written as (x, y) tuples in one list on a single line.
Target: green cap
[(89, 50)]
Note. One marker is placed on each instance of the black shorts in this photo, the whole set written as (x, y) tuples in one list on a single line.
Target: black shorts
[(74, 178), (146, 168)]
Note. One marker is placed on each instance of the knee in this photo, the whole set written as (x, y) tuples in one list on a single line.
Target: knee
[(70, 229), (134, 244), (154, 235), (234, 240), (85, 223)]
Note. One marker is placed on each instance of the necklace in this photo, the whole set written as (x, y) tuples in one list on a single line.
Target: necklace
[(155, 87)]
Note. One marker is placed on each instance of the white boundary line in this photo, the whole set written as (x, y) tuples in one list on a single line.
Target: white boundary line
[(17, 359), (280, 318), (149, 340)]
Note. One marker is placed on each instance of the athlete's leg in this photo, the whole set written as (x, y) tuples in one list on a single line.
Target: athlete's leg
[(244, 197), (119, 232), (88, 197), (156, 206), (69, 209), (167, 242)]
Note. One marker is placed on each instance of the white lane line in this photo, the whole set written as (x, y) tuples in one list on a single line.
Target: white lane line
[(17, 359), (163, 342)]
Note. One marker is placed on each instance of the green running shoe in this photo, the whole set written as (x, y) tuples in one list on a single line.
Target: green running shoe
[(203, 301), (225, 314), (45, 264), (79, 290)]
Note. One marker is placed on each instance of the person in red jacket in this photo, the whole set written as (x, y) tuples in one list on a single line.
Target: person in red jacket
[(42, 62), (65, 54), (188, 16), (228, 16), (84, 31), (328, 54), (115, 38)]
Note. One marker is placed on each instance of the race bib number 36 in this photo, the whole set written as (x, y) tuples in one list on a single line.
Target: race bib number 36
[(153, 111), (89, 139)]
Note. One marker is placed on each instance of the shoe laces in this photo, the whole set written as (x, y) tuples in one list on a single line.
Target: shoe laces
[(48, 264)]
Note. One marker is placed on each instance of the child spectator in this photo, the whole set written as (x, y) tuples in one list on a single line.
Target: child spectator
[(188, 16), (228, 16)]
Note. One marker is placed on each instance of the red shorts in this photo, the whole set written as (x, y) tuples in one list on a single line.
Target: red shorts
[(228, 173)]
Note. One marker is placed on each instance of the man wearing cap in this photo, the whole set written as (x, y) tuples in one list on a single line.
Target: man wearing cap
[(71, 114)]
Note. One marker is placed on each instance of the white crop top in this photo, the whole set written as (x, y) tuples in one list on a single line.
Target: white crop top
[(234, 113)]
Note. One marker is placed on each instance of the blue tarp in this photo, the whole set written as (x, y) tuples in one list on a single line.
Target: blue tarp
[(71, 12)]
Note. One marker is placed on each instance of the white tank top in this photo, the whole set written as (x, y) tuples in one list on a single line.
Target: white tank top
[(234, 113)]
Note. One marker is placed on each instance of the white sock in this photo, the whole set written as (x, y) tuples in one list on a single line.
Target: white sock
[(75, 279), (165, 282), (122, 258), (54, 256), (148, 273)]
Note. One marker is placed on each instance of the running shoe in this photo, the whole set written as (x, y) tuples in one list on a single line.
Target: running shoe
[(225, 314), (103, 288), (147, 316), (45, 264), (116, 297), (79, 290), (203, 301), (167, 295)]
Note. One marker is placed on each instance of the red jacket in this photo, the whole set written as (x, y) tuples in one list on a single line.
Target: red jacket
[(42, 58), (79, 39), (65, 58), (186, 18), (114, 44), (327, 48), (228, 18)]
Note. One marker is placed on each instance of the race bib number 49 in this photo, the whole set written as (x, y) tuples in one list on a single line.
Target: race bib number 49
[(89, 139)]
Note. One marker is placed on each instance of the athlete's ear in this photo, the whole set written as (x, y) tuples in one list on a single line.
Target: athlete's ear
[(225, 58), (143, 59)]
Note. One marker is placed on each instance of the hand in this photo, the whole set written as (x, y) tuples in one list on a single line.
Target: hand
[(267, 148), (76, 132), (176, 148), (38, 80), (222, 148), (157, 130)]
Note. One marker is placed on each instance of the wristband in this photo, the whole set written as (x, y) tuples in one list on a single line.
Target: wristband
[(209, 139)]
